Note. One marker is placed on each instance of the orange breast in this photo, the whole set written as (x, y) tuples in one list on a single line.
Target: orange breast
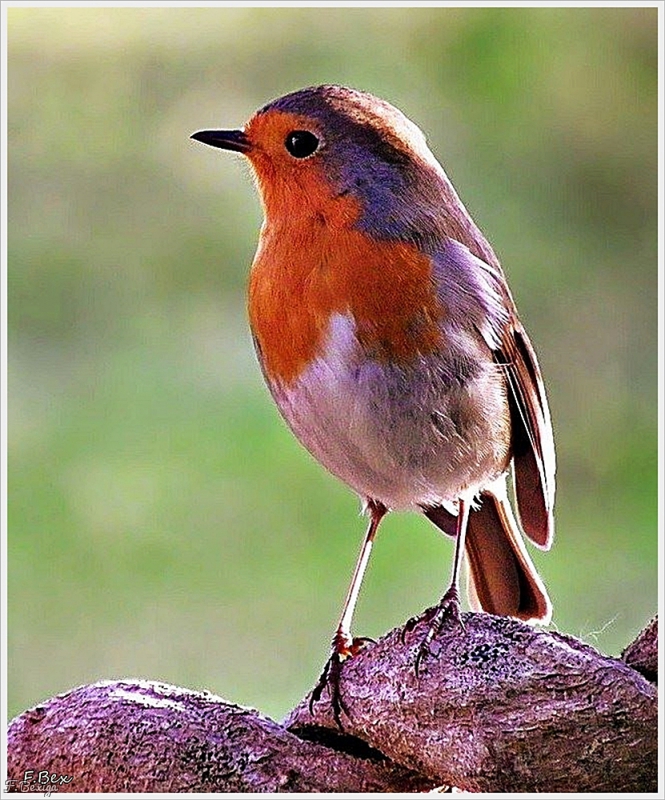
[(317, 264)]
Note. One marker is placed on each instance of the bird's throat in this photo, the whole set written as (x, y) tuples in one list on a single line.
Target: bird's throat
[(304, 273)]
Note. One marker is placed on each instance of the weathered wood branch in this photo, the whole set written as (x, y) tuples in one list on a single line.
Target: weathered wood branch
[(500, 706), (642, 653), (142, 736)]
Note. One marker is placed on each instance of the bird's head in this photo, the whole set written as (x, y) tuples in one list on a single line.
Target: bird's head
[(339, 153)]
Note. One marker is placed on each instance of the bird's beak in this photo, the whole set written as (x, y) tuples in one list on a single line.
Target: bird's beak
[(227, 140)]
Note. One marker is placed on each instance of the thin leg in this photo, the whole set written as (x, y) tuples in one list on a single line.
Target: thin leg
[(450, 602), (343, 634), (462, 524), (343, 644)]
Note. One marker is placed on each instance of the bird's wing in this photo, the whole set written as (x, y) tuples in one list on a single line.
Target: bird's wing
[(532, 437), (480, 294)]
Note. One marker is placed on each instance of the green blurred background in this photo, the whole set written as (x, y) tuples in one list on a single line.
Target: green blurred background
[(163, 523)]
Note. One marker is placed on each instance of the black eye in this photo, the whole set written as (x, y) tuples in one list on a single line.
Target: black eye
[(301, 143)]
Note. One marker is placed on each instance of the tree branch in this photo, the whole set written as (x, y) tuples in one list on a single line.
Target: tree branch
[(500, 706), (642, 653), (142, 736)]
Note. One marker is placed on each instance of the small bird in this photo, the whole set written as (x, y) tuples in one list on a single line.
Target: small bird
[(390, 342)]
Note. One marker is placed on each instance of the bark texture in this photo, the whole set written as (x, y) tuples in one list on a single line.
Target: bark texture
[(142, 736), (498, 707), (642, 653)]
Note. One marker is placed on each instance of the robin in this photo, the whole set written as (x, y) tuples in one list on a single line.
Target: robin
[(390, 342)]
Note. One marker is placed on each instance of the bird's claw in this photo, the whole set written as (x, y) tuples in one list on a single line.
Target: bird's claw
[(342, 649), (448, 608), (330, 677), (411, 623)]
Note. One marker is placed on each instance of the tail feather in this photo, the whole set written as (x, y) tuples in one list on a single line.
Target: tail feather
[(502, 577)]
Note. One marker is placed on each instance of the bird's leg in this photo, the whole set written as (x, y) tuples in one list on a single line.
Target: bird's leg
[(450, 602), (343, 644)]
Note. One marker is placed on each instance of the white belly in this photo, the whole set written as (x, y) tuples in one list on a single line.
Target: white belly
[(407, 436)]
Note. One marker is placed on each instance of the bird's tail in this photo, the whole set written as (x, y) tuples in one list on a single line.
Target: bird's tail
[(502, 578)]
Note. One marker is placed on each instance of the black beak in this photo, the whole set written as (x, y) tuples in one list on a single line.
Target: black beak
[(227, 140)]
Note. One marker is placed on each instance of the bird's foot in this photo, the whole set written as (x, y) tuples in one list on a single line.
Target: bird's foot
[(448, 608), (342, 648), (426, 616)]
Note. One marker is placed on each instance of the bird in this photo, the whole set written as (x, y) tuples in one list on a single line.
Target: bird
[(391, 344)]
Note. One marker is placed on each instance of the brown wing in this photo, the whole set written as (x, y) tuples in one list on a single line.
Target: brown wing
[(476, 293), (532, 438)]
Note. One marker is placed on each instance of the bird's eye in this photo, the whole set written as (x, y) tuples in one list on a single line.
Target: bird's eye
[(301, 144)]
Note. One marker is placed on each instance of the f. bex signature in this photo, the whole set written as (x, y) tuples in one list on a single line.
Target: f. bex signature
[(41, 781)]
